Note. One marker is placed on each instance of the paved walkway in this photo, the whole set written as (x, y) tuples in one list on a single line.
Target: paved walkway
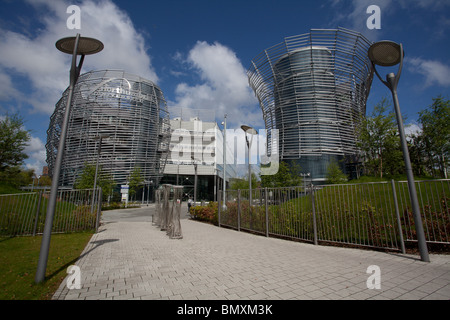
[(129, 258)]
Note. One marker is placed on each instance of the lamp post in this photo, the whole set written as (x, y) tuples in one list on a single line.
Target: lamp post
[(224, 162), (249, 130), (147, 182), (304, 175), (388, 54), (150, 185), (195, 180), (75, 46), (99, 150)]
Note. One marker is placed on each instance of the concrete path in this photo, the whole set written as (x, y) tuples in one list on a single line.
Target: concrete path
[(129, 258)]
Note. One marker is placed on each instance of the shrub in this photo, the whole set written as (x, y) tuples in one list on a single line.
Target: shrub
[(207, 213)]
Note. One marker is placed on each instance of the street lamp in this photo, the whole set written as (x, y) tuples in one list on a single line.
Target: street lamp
[(224, 123), (75, 46), (388, 54), (148, 191), (195, 180), (250, 131), (99, 150), (304, 175)]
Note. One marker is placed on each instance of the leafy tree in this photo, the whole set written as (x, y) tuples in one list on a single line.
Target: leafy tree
[(435, 122), (136, 180), (86, 179), (393, 155), (287, 175), (335, 174), (379, 141), (417, 153), (242, 184), (13, 139), (45, 181), (16, 176)]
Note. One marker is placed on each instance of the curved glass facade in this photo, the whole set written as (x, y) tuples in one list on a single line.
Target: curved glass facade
[(313, 88), (131, 110)]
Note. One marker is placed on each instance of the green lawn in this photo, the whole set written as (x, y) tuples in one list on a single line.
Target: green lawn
[(18, 262), (6, 188), (18, 213), (361, 214)]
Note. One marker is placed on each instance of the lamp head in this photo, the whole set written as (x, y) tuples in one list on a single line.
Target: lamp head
[(248, 129), (385, 53), (86, 46)]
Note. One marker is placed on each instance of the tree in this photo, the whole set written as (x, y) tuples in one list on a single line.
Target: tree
[(435, 122), (16, 176), (335, 174), (392, 154), (136, 180), (13, 139), (86, 179), (379, 141), (242, 184), (287, 175), (45, 181), (419, 155)]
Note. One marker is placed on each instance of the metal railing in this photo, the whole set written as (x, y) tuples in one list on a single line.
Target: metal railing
[(376, 215), (25, 213)]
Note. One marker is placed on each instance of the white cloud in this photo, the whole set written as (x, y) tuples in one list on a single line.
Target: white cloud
[(34, 58), (7, 88), (223, 88), (37, 59), (412, 128), (354, 16), (435, 72), (36, 155), (425, 4)]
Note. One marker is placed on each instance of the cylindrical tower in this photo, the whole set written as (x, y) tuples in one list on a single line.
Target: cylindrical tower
[(313, 89), (130, 110)]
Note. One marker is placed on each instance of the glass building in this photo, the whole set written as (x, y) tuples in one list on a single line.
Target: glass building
[(130, 110), (202, 141), (313, 89)]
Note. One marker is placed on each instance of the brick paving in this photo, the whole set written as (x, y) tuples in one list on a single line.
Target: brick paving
[(129, 258)]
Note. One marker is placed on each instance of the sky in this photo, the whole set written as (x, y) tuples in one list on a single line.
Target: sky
[(198, 51)]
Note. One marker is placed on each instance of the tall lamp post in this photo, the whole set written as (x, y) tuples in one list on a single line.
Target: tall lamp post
[(250, 131), (224, 163), (99, 150), (388, 54), (75, 46), (304, 175), (195, 180)]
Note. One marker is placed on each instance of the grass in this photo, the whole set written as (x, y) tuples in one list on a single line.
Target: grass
[(18, 214), (6, 188), (19, 257), (361, 214), (398, 177)]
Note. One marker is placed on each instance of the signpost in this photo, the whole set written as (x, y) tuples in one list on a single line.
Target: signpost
[(124, 190)]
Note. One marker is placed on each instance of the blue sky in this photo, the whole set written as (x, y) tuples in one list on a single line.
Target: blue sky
[(198, 51)]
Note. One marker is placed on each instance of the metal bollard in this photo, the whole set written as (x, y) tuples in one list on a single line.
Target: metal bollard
[(165, 207), (170, 211), (157, 216), (175, 229)]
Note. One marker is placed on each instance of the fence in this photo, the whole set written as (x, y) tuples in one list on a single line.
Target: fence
[(24, 213), (375, 215)]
